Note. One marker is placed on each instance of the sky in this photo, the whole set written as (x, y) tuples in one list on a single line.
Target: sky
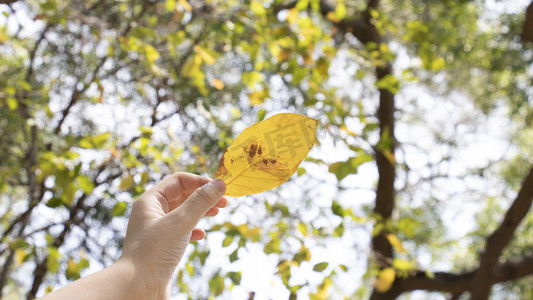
[(480, 135)]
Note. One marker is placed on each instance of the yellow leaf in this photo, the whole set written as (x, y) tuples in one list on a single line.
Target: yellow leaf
[(385, 280), (396, 243), (126, 183), (20, 254), (151, 53), (258, 97), (348, 131), (192, 66), (49, 289), (283, 54), (217, 84), (208, 58), (257, 8), (3, 37), (170, 5), (332, 17), (266, 154), (293, 16), (185, 5)]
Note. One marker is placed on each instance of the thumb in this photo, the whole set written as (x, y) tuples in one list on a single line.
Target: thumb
[(198, 203)]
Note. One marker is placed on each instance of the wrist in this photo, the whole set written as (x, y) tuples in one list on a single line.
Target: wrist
[(139, 285)]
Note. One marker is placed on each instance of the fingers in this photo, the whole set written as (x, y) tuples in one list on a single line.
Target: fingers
[(199, 203), (178, 187), (197, 234), (223, 202), (213, 211)]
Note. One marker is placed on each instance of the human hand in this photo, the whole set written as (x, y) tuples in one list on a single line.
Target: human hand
[(162, 223)]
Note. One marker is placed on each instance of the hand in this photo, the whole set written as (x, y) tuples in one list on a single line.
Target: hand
[(162, 223)]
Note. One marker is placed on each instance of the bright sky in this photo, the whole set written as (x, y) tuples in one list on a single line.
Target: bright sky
[(482, 137)]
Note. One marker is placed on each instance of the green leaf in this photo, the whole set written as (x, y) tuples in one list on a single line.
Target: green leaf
[(337, 209), (170, 5), (320, 267), (126, 183), (151, 53), (69, 192), (18, 244), (234, 255), (12, 103), (235, 277), (85, 184), (402, 264), (261, 114), (119, 209), (302, 4), (251, 78), (339, 230), (303, 255), (227, 241), (145, 177), (74, 269), (95, 142), (54, 202), (340, 11), (216, 284), (52, 261), (344, 268), (272, 246), (302, 227), (343, 169), (390, 83), (72, 272), (24, 85), (257, 8)]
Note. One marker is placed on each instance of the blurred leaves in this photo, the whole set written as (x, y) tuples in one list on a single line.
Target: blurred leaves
[(131, 92)]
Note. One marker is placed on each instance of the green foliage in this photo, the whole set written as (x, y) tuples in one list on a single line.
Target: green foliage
[(320, 266), (133, 91)]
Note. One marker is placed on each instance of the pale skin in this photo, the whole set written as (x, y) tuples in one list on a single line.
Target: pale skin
[(162, 222)]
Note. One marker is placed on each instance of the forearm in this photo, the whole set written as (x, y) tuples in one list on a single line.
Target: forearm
[(121, 281)]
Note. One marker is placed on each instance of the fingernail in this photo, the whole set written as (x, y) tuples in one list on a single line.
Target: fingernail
[(220, 184)]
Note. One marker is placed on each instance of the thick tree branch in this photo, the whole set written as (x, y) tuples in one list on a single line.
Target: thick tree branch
[(489, 272), (527, 32), (365, 31), (8, 2), (499, 239), (457, 284)]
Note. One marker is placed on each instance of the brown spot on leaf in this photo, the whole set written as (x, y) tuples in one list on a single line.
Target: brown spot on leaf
[(259, 150), (222, 170), (274, 167), (268, 161), (253, 149)]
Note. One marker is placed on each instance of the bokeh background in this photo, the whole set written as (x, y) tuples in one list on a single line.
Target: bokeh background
[(419, 185)]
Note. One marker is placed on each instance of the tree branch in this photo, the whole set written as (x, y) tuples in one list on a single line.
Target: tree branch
[(489, 272), (365, 31), (457, 284), (41, 267), (8, 2), (527, 32), (499, 239)]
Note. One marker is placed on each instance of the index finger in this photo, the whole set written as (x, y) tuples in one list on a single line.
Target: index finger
[(177, 187)]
